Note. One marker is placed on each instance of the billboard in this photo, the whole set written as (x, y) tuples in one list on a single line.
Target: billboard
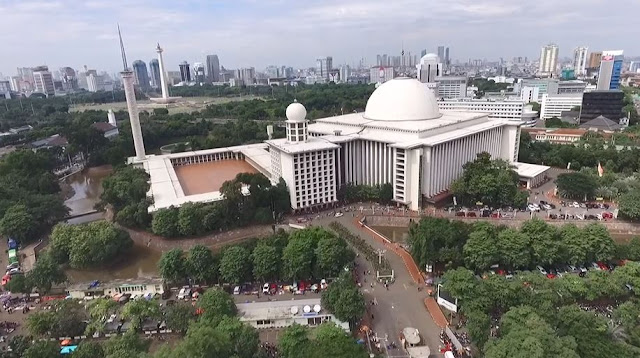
[(445, 299)]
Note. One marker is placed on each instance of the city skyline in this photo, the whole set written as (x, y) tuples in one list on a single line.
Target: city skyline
[(342, 29)]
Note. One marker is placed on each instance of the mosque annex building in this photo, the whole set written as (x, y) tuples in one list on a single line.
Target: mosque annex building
[(402, 138)]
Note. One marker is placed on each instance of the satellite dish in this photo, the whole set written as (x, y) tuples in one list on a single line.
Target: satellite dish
[(294, 310), (306, 309), (317, 308)]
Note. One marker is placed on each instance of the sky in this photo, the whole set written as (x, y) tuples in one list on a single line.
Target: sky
[(258, 33)]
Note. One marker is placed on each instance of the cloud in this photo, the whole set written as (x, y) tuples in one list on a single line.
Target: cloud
[(296, 32)]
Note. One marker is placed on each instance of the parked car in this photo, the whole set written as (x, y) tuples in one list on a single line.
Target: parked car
[(471, 214), (338, 214), (185, 293), (460, 213), (265, 288), (602, 266), (13, 265), (594, 266), (542, 270), (13, 271)]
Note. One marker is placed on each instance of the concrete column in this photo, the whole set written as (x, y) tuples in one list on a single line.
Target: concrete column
[(132, 107)]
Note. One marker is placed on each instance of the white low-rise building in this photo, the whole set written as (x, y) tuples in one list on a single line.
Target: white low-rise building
[(503, 109), (452, 86), (280, 314), (553, 106), (113, 288)]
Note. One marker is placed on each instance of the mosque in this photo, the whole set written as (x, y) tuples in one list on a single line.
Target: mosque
[(402, 138)]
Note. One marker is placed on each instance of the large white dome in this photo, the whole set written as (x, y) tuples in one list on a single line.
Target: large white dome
[(402, 99)]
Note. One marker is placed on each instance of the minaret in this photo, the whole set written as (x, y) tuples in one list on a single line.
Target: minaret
[(132, 105), (163, 74)]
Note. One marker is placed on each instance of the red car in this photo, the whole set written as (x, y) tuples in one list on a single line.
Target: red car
[(602, 266), (471, 214), (551, 276)]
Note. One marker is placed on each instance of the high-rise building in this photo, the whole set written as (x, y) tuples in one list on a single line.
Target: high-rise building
[(380, 74), (634, 66), (594, 60), (26, 74), (154, 68), (16, 84), (69, 79), (199, 73), (245, 76), (141, 75), (185, 72), (43, 81), (423, 52), (580, 61), (441, 53), (345, 73), (429, 68), (213, 68), (324, 66), (610, 70), (548, 60), (606, 103)]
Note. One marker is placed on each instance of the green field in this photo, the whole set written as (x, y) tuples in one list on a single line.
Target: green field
[(186, 105)]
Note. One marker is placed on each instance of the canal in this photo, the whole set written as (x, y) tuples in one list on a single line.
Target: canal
[(85, 188)]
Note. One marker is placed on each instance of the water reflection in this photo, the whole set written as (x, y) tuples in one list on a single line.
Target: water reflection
[(87, 188), (140, 262), (394, 233)]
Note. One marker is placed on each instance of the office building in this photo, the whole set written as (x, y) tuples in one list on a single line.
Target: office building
[(580, 61), (530, 94), (402, 139), (199, 73), (554, 105), (501, 109), (573, 86), (443, 56), (69, 79), (43, 81), (16, 85), (606, 103), (94, 82), (5, 89), (213, 68), (594, 60), (141, 75), (610, 70), (548, 60), (245, 76), (544, 85), (324, 67), (154, 69), (429, 68), (380, 74), (185, 72), (634, 66), (422, 53), (452, 87), (345, 73)]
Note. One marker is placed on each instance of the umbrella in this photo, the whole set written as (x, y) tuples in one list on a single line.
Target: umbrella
[(65, 342)]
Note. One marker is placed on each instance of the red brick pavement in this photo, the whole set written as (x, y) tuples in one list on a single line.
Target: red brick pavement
[(436, 312)]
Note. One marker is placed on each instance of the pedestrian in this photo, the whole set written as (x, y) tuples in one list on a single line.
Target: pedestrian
[(371, 284), (372, 316)]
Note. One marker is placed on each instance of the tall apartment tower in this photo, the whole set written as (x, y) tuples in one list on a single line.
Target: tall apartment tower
[(213, 68), (324, 66), (610, 70), (548, 60), (185, 72), (154, 69), (43, 81), (141, 75), (580, 60)]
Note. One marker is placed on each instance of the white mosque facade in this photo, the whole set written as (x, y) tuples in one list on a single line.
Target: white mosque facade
[(401, 138)]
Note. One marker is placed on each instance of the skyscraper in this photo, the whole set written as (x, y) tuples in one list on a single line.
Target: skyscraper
[(429, 68), (213, 68), (423, 52), (580, 61), (69, 79), (440, 53), (594, 60), (324, 66), (198, 72), (610, 70), (154, 68), (548, 60), (43, 81), (185, 72), (141, 75), (345, 73)]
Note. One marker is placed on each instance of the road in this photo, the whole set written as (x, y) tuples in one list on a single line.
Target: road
[(402, 305)]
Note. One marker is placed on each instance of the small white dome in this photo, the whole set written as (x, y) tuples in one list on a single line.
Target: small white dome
[(296, 112), (402, 99)]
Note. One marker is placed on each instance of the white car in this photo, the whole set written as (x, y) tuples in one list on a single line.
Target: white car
[(546, 207), (236, 290), (575, 204), (339, 214), (542, 270), (533, 207), (265, 288), (184, 293), (13, 271)]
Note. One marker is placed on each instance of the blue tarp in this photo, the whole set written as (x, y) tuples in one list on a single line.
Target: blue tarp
[(12, 244), (68, 349)]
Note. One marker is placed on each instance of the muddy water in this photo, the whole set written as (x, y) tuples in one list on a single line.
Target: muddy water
[(207, 177), (140, 262), (393, 233), (86, 187)]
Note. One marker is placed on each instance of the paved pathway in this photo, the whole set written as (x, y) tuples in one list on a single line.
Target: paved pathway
[(402, 305)]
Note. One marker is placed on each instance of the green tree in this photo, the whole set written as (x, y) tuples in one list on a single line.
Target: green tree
[(202, 265), (18, 345), (243, 338), (266, 262), (88, 349), (435, 240), (165, 222), (42, 349), (139, 310), (629, 205), (216, 304), (190, 219), (129, 344), (513, 248), (172, 266), (294, 342), (545, 243), (127, 185), (19, 284), (203, 341), (298, 256), (235, 264), (601, 245), (578, 185), (480, 250), (344, 299), (41, 323), (99, 309), (479, 327), (461, 283), (332, 255), (575, 245), (386, 193), (45, 273), (179, 316), (332, 341), (17, 223)]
